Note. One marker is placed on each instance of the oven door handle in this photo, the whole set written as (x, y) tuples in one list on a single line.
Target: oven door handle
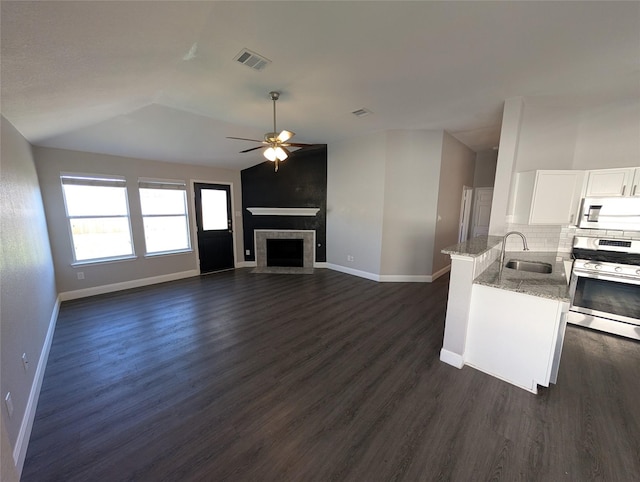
[(616, 278)]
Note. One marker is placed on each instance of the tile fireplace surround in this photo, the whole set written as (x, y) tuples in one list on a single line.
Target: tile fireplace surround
[(261, 236)]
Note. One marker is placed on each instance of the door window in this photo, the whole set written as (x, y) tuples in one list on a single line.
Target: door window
[(214, 210)]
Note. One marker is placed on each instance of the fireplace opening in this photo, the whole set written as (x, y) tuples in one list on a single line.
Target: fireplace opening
[(285, 252)]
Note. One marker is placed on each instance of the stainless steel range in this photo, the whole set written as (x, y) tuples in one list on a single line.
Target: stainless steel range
[(605, 285)]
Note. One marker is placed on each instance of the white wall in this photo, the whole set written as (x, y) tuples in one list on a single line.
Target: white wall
[(512, 115), (355, 200), (608, 136), (28, 299), (547, 135), (51, 162), (456, 171), (412, 176), (544, 133)]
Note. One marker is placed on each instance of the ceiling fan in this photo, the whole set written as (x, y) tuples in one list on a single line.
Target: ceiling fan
[(276, 143)]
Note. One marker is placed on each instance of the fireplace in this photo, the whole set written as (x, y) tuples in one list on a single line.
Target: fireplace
[(285, 252), (294, 250)]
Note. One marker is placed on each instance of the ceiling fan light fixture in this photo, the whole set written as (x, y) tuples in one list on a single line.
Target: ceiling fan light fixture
[(285, 135), (270, 154), (281, 153), (276, 153)]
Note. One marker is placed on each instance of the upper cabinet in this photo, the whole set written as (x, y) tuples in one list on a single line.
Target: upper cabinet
[(547, 197), (613, 182)]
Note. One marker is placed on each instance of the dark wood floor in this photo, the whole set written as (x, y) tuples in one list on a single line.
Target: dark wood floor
[(240, 376)]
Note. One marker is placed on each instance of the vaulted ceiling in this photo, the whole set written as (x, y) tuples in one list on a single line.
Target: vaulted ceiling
[(158, 79)]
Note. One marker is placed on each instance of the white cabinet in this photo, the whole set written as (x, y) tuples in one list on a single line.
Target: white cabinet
[(613, 182), (635, 185), (547, 197), (515, 337)]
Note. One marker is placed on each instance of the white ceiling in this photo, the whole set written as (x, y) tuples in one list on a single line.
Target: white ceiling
[(110, 77)]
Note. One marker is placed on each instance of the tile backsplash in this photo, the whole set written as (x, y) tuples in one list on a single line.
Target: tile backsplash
[(539, 237), (558, 238)]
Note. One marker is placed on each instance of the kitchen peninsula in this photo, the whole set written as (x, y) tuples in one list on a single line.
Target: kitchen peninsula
[(508, 324)]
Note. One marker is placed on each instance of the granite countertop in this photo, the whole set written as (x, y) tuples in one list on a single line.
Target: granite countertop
[(474, 247), (553, 286)]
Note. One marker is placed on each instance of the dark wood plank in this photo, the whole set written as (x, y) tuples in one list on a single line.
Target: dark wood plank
[(239, 376)]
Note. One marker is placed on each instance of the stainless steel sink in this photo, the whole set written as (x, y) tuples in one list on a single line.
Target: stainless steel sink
[(531, 266)]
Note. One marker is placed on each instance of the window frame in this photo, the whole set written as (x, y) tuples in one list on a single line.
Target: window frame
[(97, 180), (169, 184)]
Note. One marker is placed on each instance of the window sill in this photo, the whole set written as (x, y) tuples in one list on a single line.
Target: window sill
[(103, 260), (168, 253)]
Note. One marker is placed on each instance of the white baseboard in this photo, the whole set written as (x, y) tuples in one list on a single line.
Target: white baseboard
[(405, 278), (451, 358), (389, 278), (440, 272), (22, 442), (320, 264), (125, 285), (354, 272)]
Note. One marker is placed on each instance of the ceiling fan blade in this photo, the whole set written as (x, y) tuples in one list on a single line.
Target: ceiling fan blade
[(252, 149), (285, 135), (299, 144), (244, 139)]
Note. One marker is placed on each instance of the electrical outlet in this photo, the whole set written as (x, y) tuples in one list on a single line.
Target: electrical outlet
[(247, 252), (350, 258), (9, 404), (80, 274), (25, 362)]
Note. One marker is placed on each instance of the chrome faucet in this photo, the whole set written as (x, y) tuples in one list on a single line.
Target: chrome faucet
[(504, 243)]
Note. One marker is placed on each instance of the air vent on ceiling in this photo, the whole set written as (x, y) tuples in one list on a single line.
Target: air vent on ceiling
[(361, 112), (252, 59)]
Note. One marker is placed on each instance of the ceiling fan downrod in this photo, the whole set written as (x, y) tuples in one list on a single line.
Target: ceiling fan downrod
[(274, 96)]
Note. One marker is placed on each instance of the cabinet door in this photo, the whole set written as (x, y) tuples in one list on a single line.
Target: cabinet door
[(635, 188), (514, 336), (556, 197), (609, 182)]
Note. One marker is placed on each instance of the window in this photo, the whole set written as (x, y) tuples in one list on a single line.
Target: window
[(164, 215), (98, 215)]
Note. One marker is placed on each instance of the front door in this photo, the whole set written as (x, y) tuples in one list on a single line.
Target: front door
[(215, 229)]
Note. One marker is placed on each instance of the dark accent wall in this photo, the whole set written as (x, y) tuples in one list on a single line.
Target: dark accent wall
[(301, 182)]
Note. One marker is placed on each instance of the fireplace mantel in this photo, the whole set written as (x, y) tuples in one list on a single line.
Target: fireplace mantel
[(283, 211)]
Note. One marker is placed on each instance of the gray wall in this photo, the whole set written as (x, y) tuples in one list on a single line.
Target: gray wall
[(355, 197), (384, 195), (28, 291), (458, 163), (410, 201), (484, 174), (51, 162)]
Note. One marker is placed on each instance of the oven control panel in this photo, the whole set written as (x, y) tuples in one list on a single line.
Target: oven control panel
[(609, 268)]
